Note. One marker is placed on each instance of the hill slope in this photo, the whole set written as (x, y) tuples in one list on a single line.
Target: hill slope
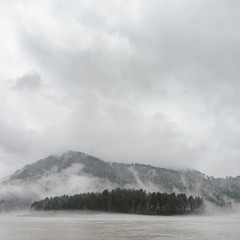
[(76, 172)]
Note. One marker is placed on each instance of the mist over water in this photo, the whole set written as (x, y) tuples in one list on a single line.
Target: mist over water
[(92, 225)]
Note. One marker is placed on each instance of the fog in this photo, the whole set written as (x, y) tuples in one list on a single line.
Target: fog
[(142, 81), (17, 193), (20, 194)]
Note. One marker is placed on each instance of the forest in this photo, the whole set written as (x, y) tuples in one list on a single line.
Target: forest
[(125, 201)]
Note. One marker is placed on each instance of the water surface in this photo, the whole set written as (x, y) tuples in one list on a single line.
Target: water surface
[(101, 226)]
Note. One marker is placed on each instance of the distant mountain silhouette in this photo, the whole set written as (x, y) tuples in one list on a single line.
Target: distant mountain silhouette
[(77, 172)]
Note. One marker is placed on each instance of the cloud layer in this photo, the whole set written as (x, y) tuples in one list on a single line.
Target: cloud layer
[(131, 81)]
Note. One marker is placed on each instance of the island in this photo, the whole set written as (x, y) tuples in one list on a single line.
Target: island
[(125, 201)]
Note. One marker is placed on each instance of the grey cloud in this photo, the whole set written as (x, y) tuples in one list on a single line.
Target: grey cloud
[(141, 81), (14, 139), (31, 81)]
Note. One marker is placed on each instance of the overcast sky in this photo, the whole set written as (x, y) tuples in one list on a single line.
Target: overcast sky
[(154, 82)]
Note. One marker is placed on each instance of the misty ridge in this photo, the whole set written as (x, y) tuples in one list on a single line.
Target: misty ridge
[(77, 172)]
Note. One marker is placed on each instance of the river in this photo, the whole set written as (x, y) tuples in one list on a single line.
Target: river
[(102, 226)]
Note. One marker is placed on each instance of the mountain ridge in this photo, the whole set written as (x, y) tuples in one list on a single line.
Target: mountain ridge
[(75, 172)]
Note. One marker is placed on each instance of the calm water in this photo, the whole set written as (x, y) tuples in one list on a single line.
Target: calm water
[(82, 225)]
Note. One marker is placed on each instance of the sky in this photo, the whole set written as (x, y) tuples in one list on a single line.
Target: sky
[(147, 81)]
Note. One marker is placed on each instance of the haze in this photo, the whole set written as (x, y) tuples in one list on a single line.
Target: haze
[(154, 82)]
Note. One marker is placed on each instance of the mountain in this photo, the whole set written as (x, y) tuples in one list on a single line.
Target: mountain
[(77, 172)]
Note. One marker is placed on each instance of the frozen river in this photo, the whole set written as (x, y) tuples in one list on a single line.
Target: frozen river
[(86, 226)]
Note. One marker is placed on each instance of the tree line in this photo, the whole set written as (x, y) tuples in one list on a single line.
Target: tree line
[(125, 201)]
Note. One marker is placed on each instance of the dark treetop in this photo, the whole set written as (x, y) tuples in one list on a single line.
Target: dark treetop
[(125, 201)]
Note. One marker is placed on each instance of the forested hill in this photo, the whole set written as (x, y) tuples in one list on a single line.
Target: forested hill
[(125, 201), (75, 172)]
